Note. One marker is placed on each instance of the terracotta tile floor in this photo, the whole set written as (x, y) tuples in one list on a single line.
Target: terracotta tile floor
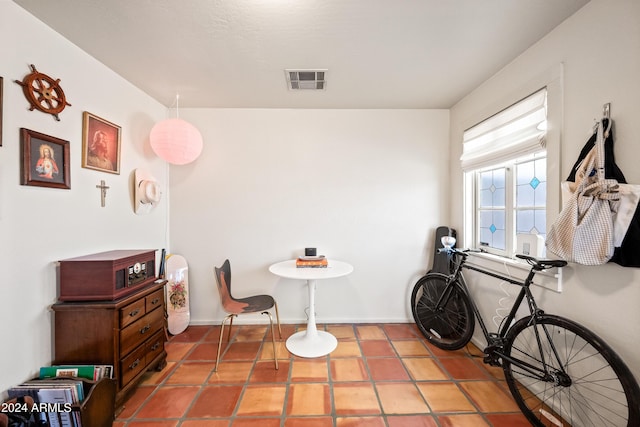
[(381, 375)]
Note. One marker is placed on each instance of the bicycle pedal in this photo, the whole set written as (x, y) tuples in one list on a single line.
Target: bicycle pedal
[(492, 360)]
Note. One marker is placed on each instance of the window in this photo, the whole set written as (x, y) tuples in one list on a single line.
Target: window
[(510, 199), (505, 164)]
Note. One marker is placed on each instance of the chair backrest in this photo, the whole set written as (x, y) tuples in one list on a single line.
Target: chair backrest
[(223, 279)]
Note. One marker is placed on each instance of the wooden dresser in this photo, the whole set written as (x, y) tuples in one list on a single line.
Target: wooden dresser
[(127, 333)]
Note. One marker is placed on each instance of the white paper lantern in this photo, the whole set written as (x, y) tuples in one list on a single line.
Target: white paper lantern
[(176, 141)]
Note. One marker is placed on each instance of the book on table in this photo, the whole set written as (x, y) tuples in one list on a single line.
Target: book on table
[(319, 261)]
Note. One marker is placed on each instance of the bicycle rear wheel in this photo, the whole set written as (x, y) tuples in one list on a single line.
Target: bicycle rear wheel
[(588, 385), (449, 327)]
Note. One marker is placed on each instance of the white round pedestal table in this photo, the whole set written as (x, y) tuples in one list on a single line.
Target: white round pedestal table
[(312, 342)]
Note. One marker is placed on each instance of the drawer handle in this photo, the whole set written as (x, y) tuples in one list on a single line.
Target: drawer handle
[(145, 329), (134, 312), (155, 346), (155, 301), (134, 364)]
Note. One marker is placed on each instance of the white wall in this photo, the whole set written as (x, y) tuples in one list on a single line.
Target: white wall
[(364, 186), (600, 49), (39, 226)]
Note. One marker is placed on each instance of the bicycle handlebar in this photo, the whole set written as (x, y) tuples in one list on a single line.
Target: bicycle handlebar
[(462, 252)]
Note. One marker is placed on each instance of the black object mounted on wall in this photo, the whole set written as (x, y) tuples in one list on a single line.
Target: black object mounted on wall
[(441, 260)]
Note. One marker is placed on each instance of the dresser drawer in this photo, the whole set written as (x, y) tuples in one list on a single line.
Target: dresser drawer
[(139, 331), (133, 364), (154, 300), (155, 346), (132, 312)]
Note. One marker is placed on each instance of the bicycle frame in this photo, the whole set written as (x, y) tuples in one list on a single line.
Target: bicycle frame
[(494, 350), (524, 292)]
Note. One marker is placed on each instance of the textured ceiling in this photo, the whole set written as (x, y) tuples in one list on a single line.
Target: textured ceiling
[(233, 53)]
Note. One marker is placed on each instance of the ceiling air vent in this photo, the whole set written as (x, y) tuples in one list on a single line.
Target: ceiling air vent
[(306, 79)]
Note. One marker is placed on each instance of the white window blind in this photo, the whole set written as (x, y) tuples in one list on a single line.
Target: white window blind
[(515, 131)]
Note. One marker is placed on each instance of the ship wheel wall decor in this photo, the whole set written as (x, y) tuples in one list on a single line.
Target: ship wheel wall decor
[(43, 93)]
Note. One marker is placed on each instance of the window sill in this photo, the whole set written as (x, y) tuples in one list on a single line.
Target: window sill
[(512, 267)]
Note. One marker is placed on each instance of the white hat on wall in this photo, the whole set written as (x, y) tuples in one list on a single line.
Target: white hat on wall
[(147, 192)]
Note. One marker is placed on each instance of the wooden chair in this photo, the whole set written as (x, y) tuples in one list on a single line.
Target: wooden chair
[(236, 306)]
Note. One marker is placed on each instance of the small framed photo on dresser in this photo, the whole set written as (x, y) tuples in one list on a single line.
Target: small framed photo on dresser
[(44, 160)]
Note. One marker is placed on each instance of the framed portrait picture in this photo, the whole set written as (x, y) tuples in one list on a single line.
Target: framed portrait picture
[(100, 144), (45, 160)]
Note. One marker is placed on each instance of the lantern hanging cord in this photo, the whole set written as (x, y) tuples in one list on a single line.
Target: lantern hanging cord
[(176, 103)]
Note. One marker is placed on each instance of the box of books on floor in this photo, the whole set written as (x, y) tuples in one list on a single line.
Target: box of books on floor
[(47, 402), (61, 396)]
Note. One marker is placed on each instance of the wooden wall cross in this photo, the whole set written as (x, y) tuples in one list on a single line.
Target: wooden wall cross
[(103, 192)]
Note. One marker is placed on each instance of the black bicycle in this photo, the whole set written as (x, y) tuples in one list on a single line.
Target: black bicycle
[(559, 372)]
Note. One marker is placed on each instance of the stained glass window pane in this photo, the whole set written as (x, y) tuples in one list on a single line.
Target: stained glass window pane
[(499, 241), (486, 180), (486, 198), (525, 221), (540, 195), (492, 214), (486, 219), (492, 188), (531, 196), (492, 228), (524, 195), (498, 177), (531, 183), (486, 237), (499, 197), (499, 219), (541, 221), (499, 187), (493, 237), (525, 172), (541, 168)]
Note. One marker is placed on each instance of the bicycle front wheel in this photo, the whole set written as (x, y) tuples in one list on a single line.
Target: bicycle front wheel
[(448, 326), (564, 375)]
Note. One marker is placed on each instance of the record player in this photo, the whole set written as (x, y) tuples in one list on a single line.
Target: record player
[(106, 275)]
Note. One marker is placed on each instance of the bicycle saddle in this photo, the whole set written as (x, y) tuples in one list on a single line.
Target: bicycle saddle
[(542, 264)]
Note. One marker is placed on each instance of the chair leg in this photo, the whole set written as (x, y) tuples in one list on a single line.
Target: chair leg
[(230, 316), (278, 319), (273, 338)]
